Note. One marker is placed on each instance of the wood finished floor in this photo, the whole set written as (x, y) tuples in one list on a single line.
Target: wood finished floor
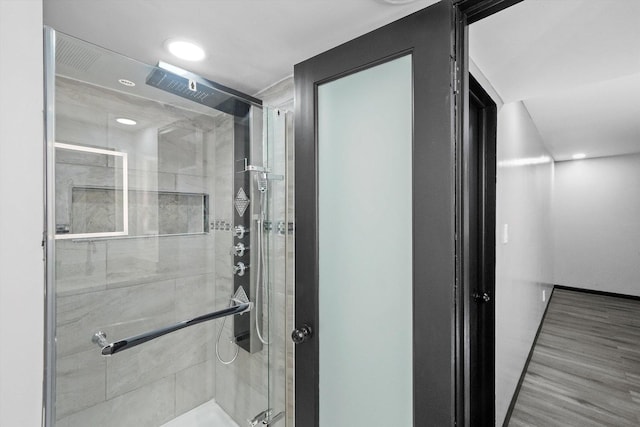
[(585, 368)]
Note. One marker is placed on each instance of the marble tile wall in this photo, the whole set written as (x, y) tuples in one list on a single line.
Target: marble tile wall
[(72, 170), (164, 192), (98, 210), (150, 405), (85, 379), (95, 210), (128, 286)]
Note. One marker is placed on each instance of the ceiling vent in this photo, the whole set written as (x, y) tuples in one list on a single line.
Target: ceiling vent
[(75, 55)]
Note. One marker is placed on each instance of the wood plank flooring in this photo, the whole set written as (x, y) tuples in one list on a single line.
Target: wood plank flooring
[(585, 368)]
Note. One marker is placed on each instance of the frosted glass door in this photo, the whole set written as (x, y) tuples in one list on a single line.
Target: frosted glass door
[(365, 247)]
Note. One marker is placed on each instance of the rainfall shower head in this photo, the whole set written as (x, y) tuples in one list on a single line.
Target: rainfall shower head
[(195, 88)]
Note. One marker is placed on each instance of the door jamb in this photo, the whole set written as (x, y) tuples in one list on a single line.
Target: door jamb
[(434, 319), (466, 12), (485, 226)]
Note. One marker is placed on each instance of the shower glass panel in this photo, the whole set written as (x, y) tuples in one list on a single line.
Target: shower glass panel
[(141, 215)]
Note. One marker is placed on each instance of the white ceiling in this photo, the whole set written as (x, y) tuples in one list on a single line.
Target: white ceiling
[(574, 63), (250, 44), (576, 66)]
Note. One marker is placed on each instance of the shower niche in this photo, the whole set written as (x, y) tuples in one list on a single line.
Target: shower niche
[(90, 204), (93, 198)]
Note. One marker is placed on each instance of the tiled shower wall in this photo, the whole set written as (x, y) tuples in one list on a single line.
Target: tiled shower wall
[(131, 285), (127, 286)]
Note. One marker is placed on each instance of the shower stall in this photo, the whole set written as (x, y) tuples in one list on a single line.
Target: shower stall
[(166, 246)]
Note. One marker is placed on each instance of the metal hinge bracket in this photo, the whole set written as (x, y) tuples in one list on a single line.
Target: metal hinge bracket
[(455, 75), (481, 297)]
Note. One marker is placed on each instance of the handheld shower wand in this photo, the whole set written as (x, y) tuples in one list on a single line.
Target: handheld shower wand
[(262, 276)]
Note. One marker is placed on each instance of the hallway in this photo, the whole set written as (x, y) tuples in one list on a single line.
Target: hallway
[(585, 369)]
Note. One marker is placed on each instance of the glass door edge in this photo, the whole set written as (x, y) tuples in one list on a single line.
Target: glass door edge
[(49, 383)]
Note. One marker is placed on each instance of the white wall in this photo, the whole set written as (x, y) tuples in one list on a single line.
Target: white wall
[(21, 213), (524, 265), (597, 224)]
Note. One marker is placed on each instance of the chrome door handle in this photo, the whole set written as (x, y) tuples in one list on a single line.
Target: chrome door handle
[(302, 334)]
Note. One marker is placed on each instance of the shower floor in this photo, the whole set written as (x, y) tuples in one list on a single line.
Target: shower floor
[(206, 415)]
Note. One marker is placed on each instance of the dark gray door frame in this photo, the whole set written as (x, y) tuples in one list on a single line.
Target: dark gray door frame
[(474, 10), (428, 37), (468, 396), (438, 40), (478, 261)]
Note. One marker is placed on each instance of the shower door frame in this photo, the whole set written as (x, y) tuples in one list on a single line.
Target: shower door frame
[(457, 396), (427, 36)]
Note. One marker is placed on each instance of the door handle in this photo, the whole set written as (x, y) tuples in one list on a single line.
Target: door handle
[(302, 334)]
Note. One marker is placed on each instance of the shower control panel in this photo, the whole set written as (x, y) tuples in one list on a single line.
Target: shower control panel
[(241, 278), (243, 206)]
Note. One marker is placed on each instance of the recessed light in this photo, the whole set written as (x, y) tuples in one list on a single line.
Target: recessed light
[(185, 50), (125, 121), (578, 156), (527, 161), (126, 82)]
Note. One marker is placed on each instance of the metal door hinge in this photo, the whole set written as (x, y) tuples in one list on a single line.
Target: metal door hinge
[(456, 77), (481, 297)]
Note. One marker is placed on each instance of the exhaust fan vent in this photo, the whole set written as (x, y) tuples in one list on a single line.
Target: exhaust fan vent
[(75, 55)]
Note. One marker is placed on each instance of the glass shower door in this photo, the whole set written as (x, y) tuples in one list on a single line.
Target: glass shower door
[(142, 215)]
